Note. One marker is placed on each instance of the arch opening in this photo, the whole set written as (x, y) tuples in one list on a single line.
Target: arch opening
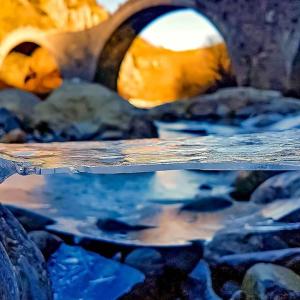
[(31, 67), (149, 73)]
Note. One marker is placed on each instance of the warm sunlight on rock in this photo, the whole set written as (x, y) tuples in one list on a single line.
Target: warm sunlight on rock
[(150, 75)]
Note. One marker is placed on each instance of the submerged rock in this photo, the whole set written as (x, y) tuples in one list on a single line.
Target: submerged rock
[(268, 281), (93, 105), (79, 274), (115, 225), (207, 204), (282, 186)]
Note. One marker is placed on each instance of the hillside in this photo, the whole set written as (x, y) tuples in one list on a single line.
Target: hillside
[(151, 75), (50, 14)]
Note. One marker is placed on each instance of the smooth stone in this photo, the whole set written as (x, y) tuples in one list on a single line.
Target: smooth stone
[(146, 260), (207, 204), (48, 243), (19, 102), (8, 121), (114, 225), (268, 281), (15, 136), (79, 274), (246, 242), (247, 182), (229, 289), (31, 221), (203, 275), (282, 186), (234, 267)]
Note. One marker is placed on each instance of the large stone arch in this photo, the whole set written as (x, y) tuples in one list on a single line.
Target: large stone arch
[(262, 37), (125, 25)]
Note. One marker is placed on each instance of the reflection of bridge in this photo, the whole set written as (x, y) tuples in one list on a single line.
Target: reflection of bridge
[(263, 38)]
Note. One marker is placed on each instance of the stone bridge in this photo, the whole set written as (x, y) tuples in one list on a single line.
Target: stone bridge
[(262, 36)]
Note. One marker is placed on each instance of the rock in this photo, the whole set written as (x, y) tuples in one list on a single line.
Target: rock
[(79, 274), (98, 108), (229, 289), (203, 275), (228, 104), (48, 243), (31, 221), (268, 281), (8, 121), (30, 279), (19, 102), (15, 136), (246, 242), (205, 187), (282, 186), (146, 260), (207, 204), (115, 225), (183, 260), (247, 182), (234, 267), (142, 128), (239, 295)]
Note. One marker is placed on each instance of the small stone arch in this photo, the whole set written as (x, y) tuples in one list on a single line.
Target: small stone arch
[(20, 36), (126, 24)]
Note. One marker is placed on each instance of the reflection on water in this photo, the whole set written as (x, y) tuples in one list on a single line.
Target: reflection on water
[(77, 201)]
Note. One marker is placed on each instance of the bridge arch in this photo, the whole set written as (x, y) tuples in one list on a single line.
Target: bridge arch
[(126, 24), (21, 36)]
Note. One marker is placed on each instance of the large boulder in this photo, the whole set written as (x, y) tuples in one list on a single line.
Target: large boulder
[(23, 273), (79, 111), (18, 102), (229, 103), (267, 281)]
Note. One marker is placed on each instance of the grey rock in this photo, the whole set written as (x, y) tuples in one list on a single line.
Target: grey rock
[(146, 260), (28, 263), (31, 221), (268, 281), (247, 182), (229, 289), (48, 243), (19, 102), (282, 186)]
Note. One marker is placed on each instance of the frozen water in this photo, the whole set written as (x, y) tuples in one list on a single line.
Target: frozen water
[(79, 274), (271, 150)]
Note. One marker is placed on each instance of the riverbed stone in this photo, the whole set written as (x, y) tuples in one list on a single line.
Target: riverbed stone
[(48, 243), (282, 186), (146, 260), (29, 268), (207, 204), (19, 102), (246, 183), (232, 268), (93, 105), (268, 281), (228, 104), (31, 221)]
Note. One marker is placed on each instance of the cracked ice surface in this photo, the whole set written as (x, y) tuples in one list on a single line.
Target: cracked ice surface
[(272, 150)]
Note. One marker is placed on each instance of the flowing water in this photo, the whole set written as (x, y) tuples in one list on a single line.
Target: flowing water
[(153, 200)]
